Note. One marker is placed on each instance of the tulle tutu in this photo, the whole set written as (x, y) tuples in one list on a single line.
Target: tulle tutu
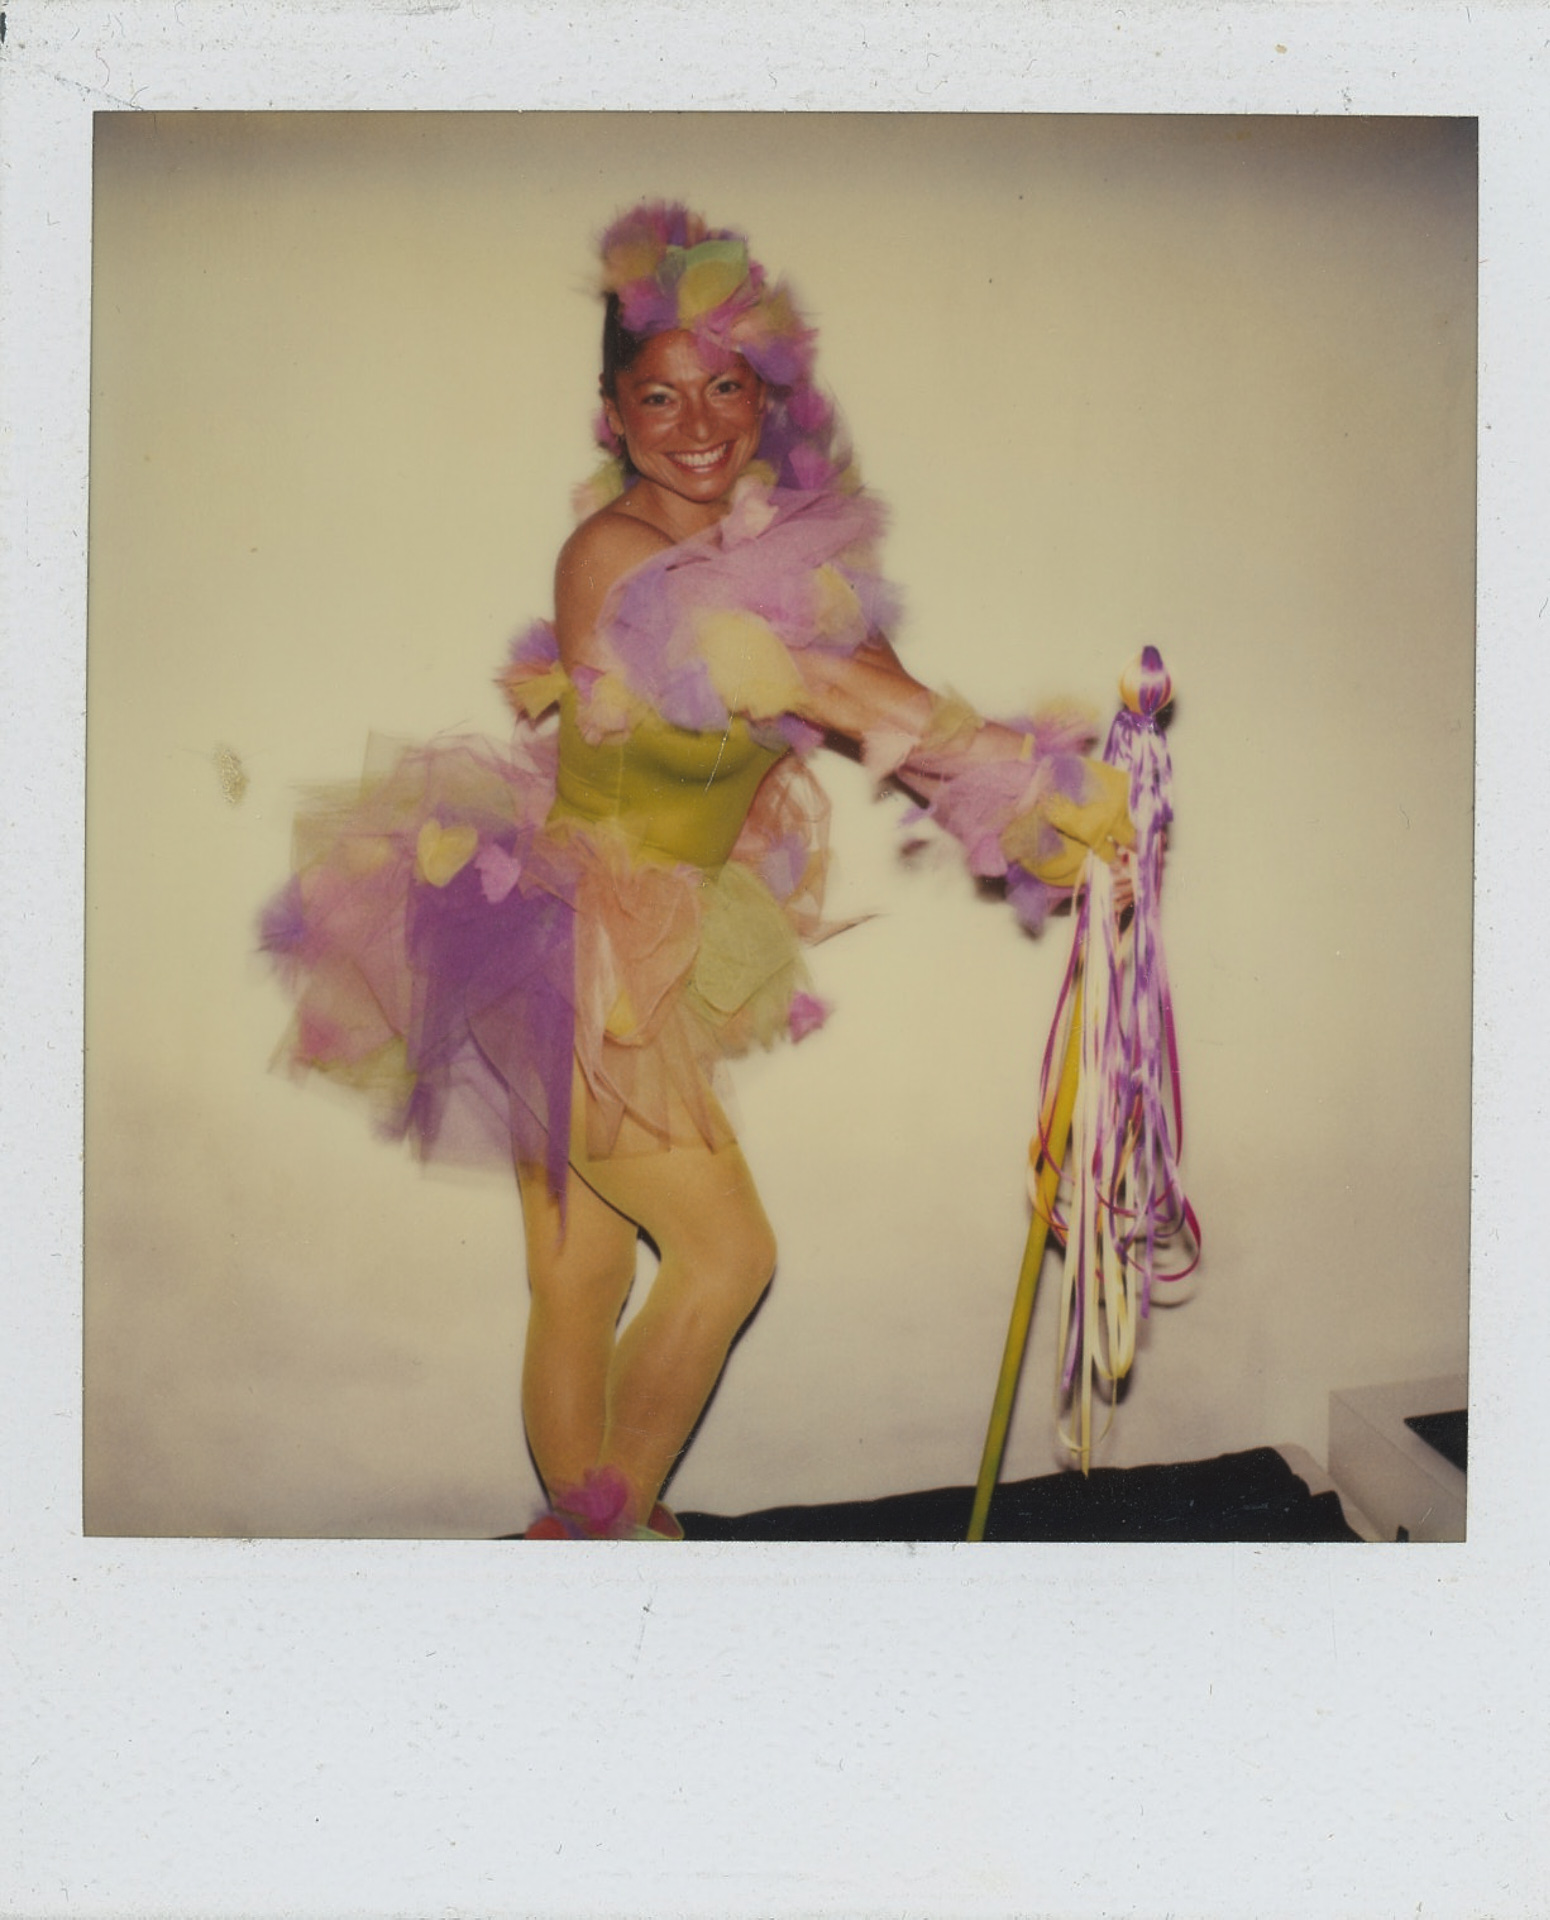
[(456, 955), (625, 893)]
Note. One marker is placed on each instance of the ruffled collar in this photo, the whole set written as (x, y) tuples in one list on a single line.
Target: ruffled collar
[(707, 628)]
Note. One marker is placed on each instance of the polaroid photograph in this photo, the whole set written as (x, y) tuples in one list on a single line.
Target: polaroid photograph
[(1202, 384), (574, 591)]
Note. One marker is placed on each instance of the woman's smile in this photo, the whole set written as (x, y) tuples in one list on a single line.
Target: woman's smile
[(706, 461), (690, 422)]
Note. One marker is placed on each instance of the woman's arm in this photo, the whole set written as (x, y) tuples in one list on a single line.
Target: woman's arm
[(869, 695), (990, 785)]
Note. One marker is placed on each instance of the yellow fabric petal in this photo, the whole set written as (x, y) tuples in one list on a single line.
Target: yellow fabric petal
[(609, 708), (837, 614), (631, 260), (603, 487), (1032, 842), (622, 1018), (383, 1074), (533, 694), (441, 853), (953, 722), (749, 957), (713, 272), (1053, 840), (778, 314), (364, 852), (748, 665)]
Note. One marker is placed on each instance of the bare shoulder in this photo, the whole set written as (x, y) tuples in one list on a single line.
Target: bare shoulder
[(612, 540), (601, 551)]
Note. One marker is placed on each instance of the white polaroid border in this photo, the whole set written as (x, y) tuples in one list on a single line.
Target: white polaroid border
[(424, 1728)]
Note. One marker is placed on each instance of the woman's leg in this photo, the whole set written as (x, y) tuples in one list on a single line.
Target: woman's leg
[(580, 1266), (717, 1255), (591, 1398)]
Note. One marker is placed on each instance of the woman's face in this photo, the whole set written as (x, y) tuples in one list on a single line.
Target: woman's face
[(690, 427)]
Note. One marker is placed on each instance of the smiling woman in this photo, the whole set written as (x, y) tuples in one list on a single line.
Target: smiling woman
[(1207, 383), (691, 425), (544, 955)]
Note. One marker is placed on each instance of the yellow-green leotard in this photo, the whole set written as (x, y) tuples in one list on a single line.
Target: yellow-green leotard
[(674, 794)]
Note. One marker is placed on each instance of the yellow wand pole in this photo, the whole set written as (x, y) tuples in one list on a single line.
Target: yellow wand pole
[(1054, 1133)]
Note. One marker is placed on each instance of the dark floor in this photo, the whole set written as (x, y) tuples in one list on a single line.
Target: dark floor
[(1252, 1496)]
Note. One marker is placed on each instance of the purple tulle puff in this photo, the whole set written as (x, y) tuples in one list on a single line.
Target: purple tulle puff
[(282, 926), (495, 1008)]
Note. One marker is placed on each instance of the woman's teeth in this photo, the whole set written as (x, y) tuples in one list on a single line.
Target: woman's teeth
[(702, 462)]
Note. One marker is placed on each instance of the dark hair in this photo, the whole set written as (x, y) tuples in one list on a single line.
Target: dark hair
[(621, 348)]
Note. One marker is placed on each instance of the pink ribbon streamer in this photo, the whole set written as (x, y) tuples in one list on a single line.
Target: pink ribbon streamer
[(1126, 1222)]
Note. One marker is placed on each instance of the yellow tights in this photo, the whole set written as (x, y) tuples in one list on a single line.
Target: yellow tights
[(592, 1397)]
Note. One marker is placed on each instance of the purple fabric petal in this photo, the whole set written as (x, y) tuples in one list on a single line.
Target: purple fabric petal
[(534, 649), (686, 697), (783, 866), (809, 409), (811, 468), (882, 608), (1030, 897), (495, 1013), (282, 926), (781, 361), (800, 735), (807, 1015), (498, 870), (646, 308)]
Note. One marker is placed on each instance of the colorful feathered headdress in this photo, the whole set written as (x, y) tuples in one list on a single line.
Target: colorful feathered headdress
[(669, 270)]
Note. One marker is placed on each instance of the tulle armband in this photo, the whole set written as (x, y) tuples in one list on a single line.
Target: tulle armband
[(1030, 820), (938, 752)]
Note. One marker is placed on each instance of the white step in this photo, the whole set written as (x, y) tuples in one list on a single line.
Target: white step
[(1404, 1487)]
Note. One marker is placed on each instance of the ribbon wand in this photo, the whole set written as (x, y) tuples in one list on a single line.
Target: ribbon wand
[(1114, 1100), (1050, 1142)]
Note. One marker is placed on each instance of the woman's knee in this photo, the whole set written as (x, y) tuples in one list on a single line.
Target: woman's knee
[(583, 1277), (726, 1271), (748, 1263), (768, 1254)]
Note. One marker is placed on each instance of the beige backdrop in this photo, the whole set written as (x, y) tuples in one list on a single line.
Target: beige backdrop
[(1202, 382)]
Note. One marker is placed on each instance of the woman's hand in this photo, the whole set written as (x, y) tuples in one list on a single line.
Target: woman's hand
[(1125, 882), (1055, 837)]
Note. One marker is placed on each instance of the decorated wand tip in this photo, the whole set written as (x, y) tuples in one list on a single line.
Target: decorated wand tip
[(1145, 686)]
